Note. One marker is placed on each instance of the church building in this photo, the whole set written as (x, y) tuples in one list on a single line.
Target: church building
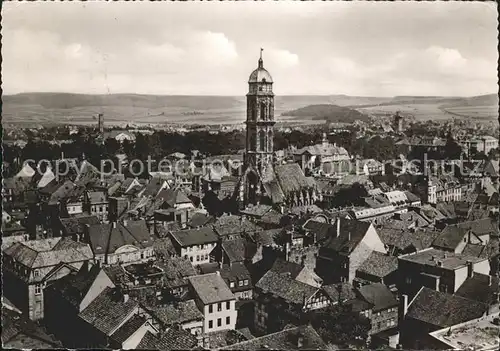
[(262, 180)]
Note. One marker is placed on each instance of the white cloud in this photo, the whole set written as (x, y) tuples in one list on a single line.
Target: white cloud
[(281, 58), (213, 48)]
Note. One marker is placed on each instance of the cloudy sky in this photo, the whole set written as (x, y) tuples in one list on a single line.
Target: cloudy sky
[(354, 48)]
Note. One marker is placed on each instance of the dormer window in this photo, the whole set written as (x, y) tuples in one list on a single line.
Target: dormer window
[(36, 273)]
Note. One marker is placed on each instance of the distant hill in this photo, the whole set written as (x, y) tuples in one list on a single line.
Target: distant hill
[(481, 100), (69, 101), (328, 112), (67, 108)]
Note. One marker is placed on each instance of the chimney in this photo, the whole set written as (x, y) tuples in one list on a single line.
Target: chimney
[(125, 222), (440, 263), (470, 269), (300, 341), (125, 297), (349, 236), (338, 227), (489, 280), (217, 272), (114, 225), (405, 305)]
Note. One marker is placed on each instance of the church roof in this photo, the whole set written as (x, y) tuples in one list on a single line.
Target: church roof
[(260, 74), (286, 179)]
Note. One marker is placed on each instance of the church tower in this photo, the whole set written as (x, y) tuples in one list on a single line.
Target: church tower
[(260, 134), (260, 119)]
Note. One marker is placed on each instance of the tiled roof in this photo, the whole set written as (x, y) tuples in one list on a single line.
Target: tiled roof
[(231, 224), (291, 178), (199, 220), (284, 340), (341, 291), (97, 197), (443, 309), (211, 288), (176, 270), (198, 236), (378, 295), (173, 339), (420, 239), (47, 252), (164, 247), (274, 191), (74, 287), (490, 250), (379, 264), (352, 228), (433, 257), (106, 239), (281, 266), (266, 237), (171, 197), (117, 274), (481, 288), (182, 312), (62, 192), (234, 273), (322, 230), (452, 235), (14, 324), (108, 311), (271, 217), (256, 211), (128, 329), (239, 250), (153, 187), (76, 224), (284, 286)]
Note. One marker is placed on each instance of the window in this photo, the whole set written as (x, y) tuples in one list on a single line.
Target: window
[(240, 282), (210, 324), (246, 282), (228, 320), (228, 305), (231, 284), (210, 308), (197, 258), (263, 111), (219, 322), (191, 258), (219, 307), (202, 246), (38, 289), (36, 273)]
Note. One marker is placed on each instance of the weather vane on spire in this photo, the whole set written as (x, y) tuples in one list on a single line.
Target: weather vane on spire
[(261, 49)]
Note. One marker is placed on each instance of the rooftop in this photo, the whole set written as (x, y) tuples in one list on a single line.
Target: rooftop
[(435, 257), (198, 236), (211, 288), (182, 312), (48, 252), (443, 309), (480, 334), (108, 311), (284, 340), (284, 286)]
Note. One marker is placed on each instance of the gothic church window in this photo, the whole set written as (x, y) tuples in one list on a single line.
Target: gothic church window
[(263, 111), (262, 139)]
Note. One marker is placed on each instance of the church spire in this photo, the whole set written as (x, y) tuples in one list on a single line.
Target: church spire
[(261, 63)]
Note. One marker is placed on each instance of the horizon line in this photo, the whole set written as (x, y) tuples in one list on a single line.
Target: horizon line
[(222, 95)]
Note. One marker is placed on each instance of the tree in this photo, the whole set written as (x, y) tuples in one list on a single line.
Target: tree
[(452, 150), (340, 325)]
